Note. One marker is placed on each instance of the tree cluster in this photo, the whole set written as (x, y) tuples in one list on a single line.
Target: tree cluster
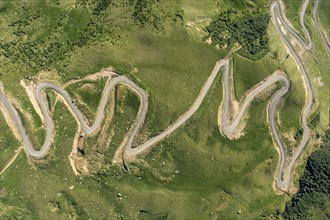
[(60, 32), (39, 51), (153, 13), (248, 28), (313, 197), (315, 120), (101, 6)]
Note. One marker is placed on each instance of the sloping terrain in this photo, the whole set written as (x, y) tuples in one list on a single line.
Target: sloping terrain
[(163, 52)]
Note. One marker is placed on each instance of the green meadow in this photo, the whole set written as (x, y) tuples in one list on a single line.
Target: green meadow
[(195, 173)]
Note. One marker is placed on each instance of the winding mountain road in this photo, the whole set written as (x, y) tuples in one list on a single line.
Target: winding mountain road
[(316, 21), (309, 44), (226, 126), (79, 116), (276, 13)]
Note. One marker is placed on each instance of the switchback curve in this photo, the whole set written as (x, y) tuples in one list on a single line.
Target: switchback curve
[(227, 127)]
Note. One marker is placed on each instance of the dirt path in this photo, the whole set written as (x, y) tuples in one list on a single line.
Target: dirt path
[(11, 160)]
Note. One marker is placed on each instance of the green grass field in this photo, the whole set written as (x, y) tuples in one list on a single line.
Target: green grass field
[(8, 143), (193, 174), (87, 94), (323, 16), (292, 12), (198, 148), (248, 73), (215, 192)]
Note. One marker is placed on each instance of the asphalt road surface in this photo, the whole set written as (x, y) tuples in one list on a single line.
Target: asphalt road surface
[(69, 101), (276, 13), (225, 128)]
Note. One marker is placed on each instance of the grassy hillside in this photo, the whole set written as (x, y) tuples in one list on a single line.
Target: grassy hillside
[(160, 45), (324, 17), (8, 143)]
